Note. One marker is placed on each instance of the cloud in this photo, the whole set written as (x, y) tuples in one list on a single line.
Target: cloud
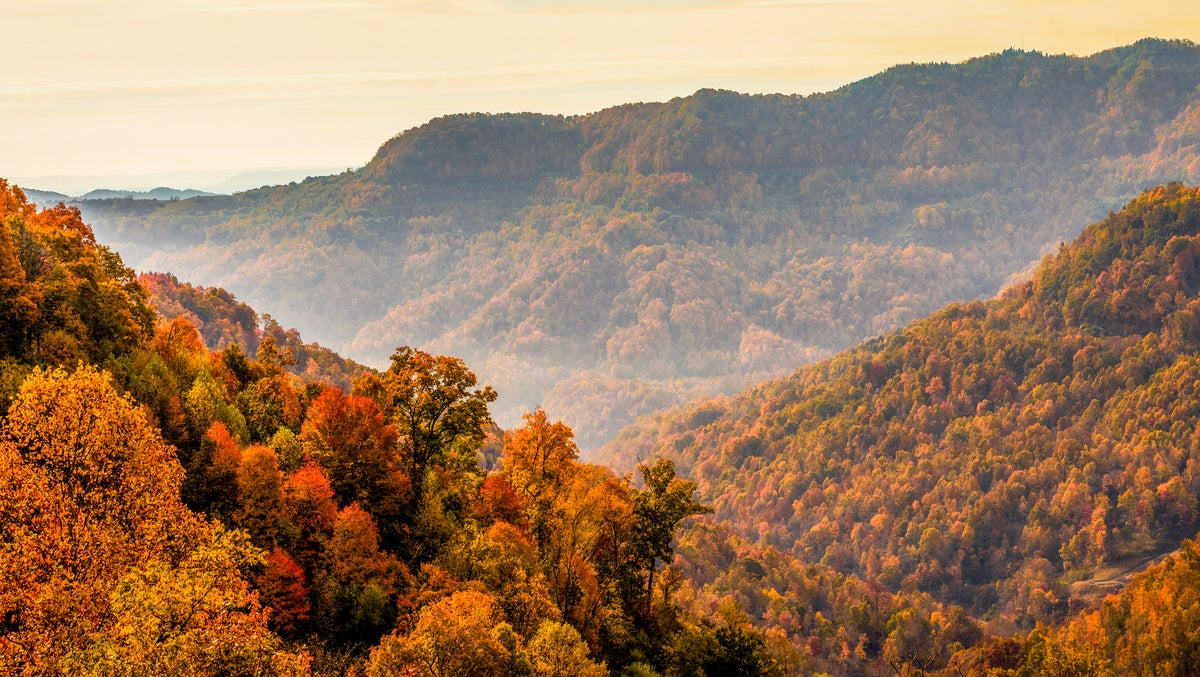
[(802, 3), (297, 7), (526, 5)]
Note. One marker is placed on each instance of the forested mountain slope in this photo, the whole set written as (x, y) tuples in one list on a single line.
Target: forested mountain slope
[(170, 509), (165, 507), (991, 453), (610, 264), (223, 321)]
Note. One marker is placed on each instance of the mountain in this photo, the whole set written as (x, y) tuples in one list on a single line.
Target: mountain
[(257, 178), (990, 454), (610, 264), (160, 193), (211, 181), (46, 198), (944, 499), (170, 508), (223, 321)]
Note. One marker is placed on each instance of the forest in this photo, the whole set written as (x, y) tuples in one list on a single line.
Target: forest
[(174, 509), (990, 465), (612, 264), (949, 498)]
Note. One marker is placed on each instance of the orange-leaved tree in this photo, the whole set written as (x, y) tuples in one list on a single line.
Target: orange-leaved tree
[(95, 542)]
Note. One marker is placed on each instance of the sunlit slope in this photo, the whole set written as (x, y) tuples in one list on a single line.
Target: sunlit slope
[(985, 451), (646, 253)]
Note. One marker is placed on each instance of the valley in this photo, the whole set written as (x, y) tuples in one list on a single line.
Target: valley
[(900, 379), (611, 264)]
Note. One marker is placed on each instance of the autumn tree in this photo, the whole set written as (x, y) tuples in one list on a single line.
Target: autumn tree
[(260, 495), (19, 300), (557, 650), (283, 591), (594, 507), (358, 583), (205, 403), (499, 502), (460, 636), (539, 459), (310, 510), (269, 404), (658, 510), (349, 437), (181, 348), (101, 558), (503, 559), (196, 618), (436, 407), (211, 485)]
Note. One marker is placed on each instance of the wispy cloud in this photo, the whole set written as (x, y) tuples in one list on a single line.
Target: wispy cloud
[(802, 3), (523, 5), (296, 7)]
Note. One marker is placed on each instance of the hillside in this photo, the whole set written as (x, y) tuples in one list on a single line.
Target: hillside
[(610, 264), (952, 498), (992, 453), (223, 321), (166, 508)]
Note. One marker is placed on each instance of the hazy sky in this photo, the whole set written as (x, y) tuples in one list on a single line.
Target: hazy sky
[(153, 86)]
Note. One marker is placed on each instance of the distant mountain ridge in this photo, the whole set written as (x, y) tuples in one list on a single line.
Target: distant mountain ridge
[(160, 193), (609, 264), (214, 181)]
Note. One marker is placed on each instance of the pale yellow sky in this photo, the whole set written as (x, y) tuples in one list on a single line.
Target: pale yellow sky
[(153, 86)]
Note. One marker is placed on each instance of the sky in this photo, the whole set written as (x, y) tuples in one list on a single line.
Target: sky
[(131, 94)]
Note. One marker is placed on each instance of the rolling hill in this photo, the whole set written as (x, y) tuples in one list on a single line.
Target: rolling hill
[(988, 455), (611, 264)]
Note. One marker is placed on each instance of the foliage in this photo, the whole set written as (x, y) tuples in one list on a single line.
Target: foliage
[(65, 298), (197, 618), (611, 264), (224, 321), (986, 456), (102, 565)]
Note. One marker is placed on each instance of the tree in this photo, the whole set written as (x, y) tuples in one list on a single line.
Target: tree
[(594, 506), (539, 459), (269, 404), (102, 455), (179, 344), (658, 509), (19, 300), (283, 592), (557, 650), (309, 508), (211, 485), (197, 618), (205, 404), (436, 407), (358, 583), (88, 490), (459, 636), (349, 437), (260, 494), (499, 502)]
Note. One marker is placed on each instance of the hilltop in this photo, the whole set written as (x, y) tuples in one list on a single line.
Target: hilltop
[(610, 264)]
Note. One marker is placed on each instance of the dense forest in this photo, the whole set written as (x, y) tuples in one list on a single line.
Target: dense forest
[(167, 508), (1001, 459), (611, 264), (223, 321), (952, 498)]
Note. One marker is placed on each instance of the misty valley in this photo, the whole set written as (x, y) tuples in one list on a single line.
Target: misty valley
[(898, 379)]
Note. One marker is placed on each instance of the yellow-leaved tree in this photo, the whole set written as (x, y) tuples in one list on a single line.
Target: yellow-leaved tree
[(100, 560)]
